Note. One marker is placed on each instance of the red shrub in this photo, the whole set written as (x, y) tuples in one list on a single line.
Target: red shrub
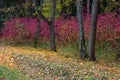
[(66, 31)]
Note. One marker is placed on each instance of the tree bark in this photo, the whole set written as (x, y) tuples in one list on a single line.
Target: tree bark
[(51, 24), (118, 48), (88, 8), (52, 34), (83, 50), (1, 3), (37, 32), (38, 24), (93, 27), (1, 13)]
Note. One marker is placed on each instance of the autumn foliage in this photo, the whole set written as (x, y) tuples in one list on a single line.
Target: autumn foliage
[(66, 31)]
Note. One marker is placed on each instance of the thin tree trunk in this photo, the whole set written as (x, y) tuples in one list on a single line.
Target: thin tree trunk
[(118, 48), (93, 27), (83, 50), (88, 8), (107, 1), (37, 32), (1, 3), (52, 34), (51, 24), (1, 13), (38, 24)]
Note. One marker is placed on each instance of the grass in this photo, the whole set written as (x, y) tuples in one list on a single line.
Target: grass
[(39, 64), (69, 51), (11, 74), (104, 51), (50, 65)]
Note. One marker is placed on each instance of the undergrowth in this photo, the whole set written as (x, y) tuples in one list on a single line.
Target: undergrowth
[(11, 74), (41, 64), (105, 52)]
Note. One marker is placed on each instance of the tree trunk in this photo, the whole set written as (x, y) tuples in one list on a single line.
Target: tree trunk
[(52, 34), (51, 24), (38, 24), (118, 48), (52, 37), (83, 50), (93, 27), (1, 13), (37, 32), (1, 3), (88, 8)]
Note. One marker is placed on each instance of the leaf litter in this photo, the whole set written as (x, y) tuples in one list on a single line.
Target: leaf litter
[(41, 64)]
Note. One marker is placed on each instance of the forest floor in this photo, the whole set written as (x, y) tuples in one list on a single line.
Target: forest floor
[(38, 64)]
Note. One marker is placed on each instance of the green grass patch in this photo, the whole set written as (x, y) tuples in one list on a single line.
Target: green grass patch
[(11, 74), (69, 51)]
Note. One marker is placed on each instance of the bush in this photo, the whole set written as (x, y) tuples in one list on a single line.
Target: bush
[(66, 31)]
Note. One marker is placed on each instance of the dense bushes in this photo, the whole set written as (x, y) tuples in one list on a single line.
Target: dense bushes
[(19, 29)]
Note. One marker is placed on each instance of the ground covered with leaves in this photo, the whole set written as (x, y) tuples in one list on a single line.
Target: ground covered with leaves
[(37, 64)]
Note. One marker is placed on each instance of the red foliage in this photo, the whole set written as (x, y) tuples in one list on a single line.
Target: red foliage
[(66, 31)]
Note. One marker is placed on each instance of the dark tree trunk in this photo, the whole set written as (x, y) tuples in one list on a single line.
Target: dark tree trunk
[(1, 13), (83, 50), (51, 24), (107, 1), (93, 27), (118, 48), (52, 37), (38, 24), (37, 32), (1, 4), (52, 34), (63, 12), (88, 7)]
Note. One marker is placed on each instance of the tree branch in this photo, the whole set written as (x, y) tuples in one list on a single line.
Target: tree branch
[(45, 19), (52, 17)]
